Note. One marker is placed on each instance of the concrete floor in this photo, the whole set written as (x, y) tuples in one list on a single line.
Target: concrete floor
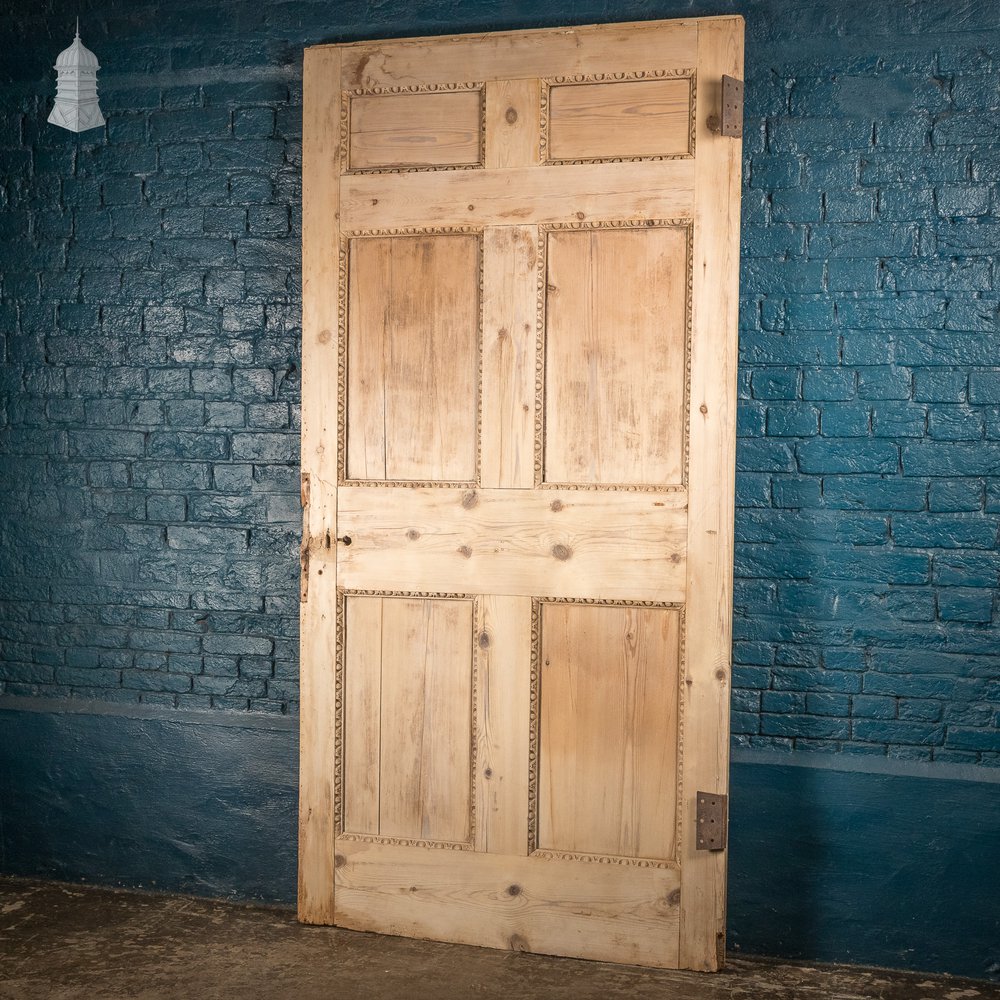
[(61, 941)]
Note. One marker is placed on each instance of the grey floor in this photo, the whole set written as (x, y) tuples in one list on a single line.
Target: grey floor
[(62, 941)]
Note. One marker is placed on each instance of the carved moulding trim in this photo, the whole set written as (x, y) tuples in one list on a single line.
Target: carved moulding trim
[(339, 722), (604, 859), (540, 326), (440, 845), (347, 97), (639, 75), (343, 313), (534, 730)]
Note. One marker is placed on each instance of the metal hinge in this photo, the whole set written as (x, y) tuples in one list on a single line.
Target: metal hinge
[(730, 122), (712, 817)]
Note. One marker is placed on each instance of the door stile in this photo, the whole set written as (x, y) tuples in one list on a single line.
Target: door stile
[(712, 401), (318, 609)]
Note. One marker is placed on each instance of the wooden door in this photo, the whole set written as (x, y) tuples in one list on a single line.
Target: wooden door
[(520, 280)]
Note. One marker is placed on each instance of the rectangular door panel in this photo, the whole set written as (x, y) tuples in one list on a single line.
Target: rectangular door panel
[(616, 322), (627, 119), (413, 358), (408, 718), (607, 757), (415, 130)]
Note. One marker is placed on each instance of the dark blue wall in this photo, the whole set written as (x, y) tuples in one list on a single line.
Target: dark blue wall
[(149, 333), (896, 865)]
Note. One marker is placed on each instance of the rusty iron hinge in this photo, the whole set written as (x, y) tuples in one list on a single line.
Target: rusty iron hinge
[(713, 821), (730, 121)]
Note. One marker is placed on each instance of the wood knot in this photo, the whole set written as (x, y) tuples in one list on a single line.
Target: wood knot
[(471, 208), (464, 550), (720, 674), (503, 333), (413, 534), (484, 640), (674, 899), (561, 551), (556, 505), (511, 116), (581, 216), (339, 861), (488, 773), (514, 890), (470, 499), (324, 336), (703, 408), (518, 943)]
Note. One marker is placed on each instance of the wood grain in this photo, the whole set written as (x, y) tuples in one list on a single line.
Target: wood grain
[(426, 720), (560, 907), (512, 123), (631, 118), (712, 487), (362, 714), (413, 358), (608, 730), (519, 195), (503, 641), (513, 55), (318, 654), (543, 543), (616, 327), (511, 263), (416, 130)]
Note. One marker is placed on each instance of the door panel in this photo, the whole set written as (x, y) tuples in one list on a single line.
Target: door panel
[(608, 730), (636, 118), (416, 130), (407, 718), (519, 359), (616, 324), (413, 358)]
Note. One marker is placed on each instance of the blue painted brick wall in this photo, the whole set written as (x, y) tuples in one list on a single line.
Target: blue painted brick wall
[(149, 323)]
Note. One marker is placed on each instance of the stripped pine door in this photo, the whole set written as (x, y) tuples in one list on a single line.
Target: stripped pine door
[(520, 276)]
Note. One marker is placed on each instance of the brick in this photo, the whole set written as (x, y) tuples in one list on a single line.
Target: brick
[(974, 739), (963, 604), (866, 706), (861, 240), (207, 539), (794, 420), (804, 725), (800, 679), (899, 420), (874, 493), (954, 495), (967, 569), (828, 384), (973, 531), (940, 385), (895, 731), (845, 420), (951, 459), (832, 455)]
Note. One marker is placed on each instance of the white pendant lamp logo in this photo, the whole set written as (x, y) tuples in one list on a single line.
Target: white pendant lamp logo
[(76, 105)]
